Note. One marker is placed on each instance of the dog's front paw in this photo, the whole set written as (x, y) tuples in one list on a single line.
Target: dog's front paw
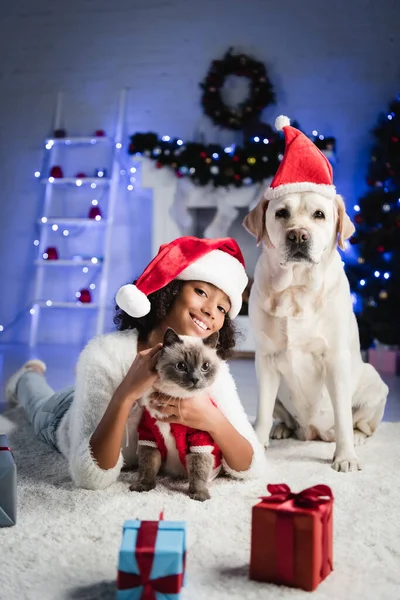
[(346, 464), (280, 431), (200, 495), (142, 486), (262, 432)]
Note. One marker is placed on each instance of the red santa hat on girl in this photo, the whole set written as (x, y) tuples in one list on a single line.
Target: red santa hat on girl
[(216, 261), (304, 167)]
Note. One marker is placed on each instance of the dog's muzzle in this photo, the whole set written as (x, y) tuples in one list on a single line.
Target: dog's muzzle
[(298, 244)]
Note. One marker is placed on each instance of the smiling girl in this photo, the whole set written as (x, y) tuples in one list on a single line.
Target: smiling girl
[(194, 286)]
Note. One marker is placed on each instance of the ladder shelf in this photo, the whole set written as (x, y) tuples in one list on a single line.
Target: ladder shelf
[(56, 147)]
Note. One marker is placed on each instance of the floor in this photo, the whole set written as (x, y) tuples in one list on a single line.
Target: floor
[(66, 541), (87, 524), (61, 359)]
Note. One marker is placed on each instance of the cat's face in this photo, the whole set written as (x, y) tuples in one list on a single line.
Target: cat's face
[(187, 365)]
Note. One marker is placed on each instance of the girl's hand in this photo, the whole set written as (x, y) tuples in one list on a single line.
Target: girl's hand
[(142, 374), (197, 412)]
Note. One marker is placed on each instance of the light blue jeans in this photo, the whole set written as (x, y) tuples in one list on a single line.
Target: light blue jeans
[(43, 406)]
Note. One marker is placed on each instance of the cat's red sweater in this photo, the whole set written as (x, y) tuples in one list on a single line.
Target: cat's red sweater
[(186, 438)]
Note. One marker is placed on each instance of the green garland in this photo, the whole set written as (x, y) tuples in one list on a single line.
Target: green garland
[(257, 160)]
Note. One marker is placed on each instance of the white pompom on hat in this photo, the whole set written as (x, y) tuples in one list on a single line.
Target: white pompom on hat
[(304, 168), (216, 261)]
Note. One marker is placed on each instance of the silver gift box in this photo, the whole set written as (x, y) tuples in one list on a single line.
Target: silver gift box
[(8, 485)]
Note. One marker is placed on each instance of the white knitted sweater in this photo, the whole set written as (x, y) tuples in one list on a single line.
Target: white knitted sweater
[(101, 366)]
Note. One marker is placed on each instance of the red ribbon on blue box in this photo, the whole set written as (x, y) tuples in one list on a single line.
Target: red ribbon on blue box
[(151, 560)]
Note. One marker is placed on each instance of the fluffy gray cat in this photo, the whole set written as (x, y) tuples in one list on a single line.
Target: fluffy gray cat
[(187, 367)]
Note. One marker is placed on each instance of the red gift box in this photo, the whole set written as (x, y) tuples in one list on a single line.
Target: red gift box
[(291, 539), (385, 360)]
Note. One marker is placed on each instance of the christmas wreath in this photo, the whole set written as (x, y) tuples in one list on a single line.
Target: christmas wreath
[(261, 92)]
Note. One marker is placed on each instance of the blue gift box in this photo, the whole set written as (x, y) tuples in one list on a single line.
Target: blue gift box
[(152, 560), (8, 485)]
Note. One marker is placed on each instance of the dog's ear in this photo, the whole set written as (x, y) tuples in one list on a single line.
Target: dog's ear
[(345, 227), (254, 222)]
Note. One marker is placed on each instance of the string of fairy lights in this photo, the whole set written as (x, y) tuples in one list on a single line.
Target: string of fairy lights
[(377, 215), (74, 229), (257, 159)]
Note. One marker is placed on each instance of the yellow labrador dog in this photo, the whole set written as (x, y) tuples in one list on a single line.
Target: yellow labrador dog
[(306, 335)]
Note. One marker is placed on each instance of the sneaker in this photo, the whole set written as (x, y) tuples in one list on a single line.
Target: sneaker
[(11, 385)]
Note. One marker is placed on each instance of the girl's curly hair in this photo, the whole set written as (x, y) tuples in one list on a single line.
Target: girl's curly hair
[(161, 303)]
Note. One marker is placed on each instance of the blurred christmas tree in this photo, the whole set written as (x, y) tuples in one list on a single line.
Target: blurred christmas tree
[(375, 278)]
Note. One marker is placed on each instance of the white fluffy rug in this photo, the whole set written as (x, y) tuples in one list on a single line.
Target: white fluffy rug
[(66, 541)]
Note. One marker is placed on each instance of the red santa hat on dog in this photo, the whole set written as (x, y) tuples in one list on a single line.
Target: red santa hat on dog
[(216, 261), (304, 167)]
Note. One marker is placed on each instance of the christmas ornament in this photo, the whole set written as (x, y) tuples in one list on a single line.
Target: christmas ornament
[(51, 253), (99, 133), (80, 175), (261, 91), (56, 172), (59, 133), (84, 296), (95, 213)]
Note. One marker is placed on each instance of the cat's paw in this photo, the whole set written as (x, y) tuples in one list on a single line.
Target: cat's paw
[(200, 495), (142, 486)]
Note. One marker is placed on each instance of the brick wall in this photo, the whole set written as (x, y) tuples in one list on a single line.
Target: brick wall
[(333, 64)]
